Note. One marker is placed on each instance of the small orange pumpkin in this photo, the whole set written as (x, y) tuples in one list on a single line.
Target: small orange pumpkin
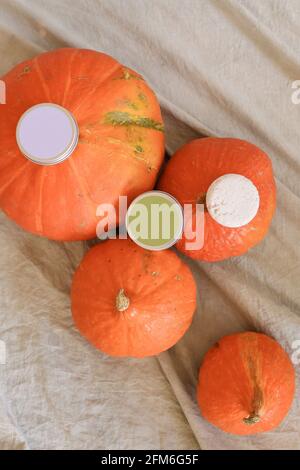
[(119, 152), (128, 301), (192, 172), (246, 384)]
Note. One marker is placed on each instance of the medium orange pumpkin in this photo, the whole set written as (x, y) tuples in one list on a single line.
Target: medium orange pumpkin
[(191, 172), (128, 301), (120, 148), (246, 384)]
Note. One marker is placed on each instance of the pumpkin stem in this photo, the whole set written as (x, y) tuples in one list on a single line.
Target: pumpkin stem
[(122, 301), (201, 199), (251, 419)]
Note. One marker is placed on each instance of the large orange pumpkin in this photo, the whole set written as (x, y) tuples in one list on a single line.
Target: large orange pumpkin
[(192, 171), (128, 301), (246, 384), (119, 152)]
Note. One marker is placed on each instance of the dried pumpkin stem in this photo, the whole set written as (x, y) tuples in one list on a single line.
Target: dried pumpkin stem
[(201, 199), (122, 301), (251, 419)]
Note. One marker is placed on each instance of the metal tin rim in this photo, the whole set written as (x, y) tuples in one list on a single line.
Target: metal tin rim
[(63, 155), (168, 244)]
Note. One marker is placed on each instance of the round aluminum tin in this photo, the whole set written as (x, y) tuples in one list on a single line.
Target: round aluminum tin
[(47, 134)]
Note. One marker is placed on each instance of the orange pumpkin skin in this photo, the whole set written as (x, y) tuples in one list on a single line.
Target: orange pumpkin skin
[(128, 301), (246, 384), (191, 171), (120, 149)]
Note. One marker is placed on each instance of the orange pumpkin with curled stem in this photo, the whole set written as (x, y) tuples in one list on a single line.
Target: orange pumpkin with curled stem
[(128, 301), (119, 151), (234, 180), (246, 384)]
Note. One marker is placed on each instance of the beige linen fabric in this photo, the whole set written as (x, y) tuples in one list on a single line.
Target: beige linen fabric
[(221, 68)]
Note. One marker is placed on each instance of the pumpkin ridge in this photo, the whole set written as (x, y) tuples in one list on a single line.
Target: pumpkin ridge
[(163, 284), (42, 78), (251, 359), (100, 84), (146, 162), (258, 399), (68, 83), (128, 146), (15, 176), (82, 185), (38, 215)]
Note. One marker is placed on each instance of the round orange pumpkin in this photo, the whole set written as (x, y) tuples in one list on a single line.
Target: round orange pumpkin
[(128, 301), (191, 172), (119, 152), (246, 384)]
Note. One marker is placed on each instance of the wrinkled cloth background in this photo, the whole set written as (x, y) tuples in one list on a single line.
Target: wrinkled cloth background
[(221, 68)]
